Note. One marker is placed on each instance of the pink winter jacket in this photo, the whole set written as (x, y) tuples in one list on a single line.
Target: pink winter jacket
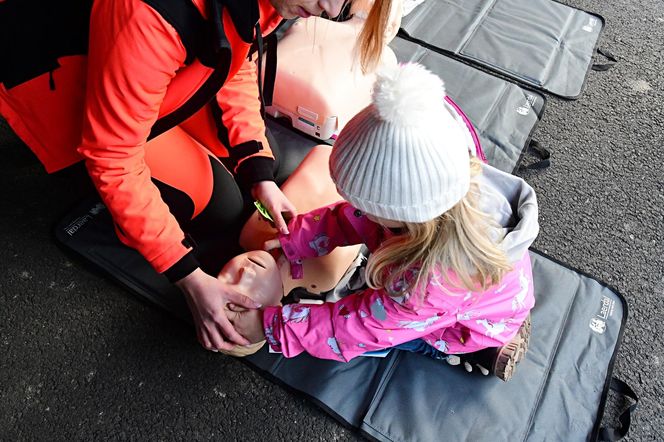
[(452, 319)]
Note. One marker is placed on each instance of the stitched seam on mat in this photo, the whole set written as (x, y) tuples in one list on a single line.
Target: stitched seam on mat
[(557, 54), (423, 54), (379, 392), (422, 13), (475, 25), (551, 360), (498, 99)]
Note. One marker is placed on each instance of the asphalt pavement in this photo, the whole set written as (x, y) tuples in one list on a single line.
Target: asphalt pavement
[(83, 359)]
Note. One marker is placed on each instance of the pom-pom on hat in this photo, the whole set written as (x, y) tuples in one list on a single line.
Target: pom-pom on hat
[(405, 157)]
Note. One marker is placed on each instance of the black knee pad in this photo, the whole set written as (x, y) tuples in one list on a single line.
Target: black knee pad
[(226, 207), (224, 210)]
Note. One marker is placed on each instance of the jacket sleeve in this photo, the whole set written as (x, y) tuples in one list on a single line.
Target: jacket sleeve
[(134, 54), (244, 127), (365, 321), (318, 232)]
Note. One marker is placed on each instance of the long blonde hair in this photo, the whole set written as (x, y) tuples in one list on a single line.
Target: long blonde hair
[(459, 240), (372, 38)]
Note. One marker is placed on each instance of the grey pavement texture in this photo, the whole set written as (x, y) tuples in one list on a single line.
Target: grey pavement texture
[(82, 359)]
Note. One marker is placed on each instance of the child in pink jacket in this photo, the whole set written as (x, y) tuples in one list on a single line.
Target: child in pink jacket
[(449, 271)]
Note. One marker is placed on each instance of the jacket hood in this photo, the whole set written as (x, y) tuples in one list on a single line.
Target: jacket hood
[(512, 203)]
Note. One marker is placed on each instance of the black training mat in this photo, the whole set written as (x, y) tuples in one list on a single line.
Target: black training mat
[(503, 114), (540, 43), (557, 393)]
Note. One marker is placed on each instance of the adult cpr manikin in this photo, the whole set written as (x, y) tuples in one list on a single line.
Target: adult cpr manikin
[(319, 83)]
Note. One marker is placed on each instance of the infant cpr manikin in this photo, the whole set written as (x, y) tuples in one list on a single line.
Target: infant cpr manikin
[(319, 83)]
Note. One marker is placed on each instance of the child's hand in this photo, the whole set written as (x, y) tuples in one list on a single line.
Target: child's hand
[(248, 323), (271, 244)]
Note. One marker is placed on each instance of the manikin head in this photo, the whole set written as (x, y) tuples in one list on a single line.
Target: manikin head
[(256, 275)]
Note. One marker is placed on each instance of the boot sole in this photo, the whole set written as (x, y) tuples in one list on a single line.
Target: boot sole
[(510, 354)]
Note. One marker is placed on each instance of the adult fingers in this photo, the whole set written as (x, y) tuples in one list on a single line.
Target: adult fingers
[(280, 223), (241, 300), (217, 339), (289, 209), (229, 331), (283, 211), (204, 338), (235, 308), (201, 334)]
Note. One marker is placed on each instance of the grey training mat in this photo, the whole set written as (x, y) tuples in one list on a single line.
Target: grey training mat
[(557, 393), (503, 114), (541, 43)]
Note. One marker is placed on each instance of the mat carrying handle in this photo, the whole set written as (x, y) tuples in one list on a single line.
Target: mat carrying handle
[(600, 67), (544, 155), (625, 419)]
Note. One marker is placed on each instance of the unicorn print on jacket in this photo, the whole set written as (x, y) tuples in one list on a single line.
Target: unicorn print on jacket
[(295, 313), (419, 325), (493, 329), (518, 303), (320, 244)]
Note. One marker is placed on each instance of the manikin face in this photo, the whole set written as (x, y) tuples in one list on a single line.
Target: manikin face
[(307, 8), (256, 275)]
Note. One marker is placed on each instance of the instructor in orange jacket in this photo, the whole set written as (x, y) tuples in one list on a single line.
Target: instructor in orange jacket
[(162, 100)]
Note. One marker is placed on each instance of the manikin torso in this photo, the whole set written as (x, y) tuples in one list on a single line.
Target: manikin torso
[(320, 84), (308, 188)]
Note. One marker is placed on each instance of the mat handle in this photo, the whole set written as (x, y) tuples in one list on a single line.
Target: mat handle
[(544, 155), (600, 67), (625, 419)]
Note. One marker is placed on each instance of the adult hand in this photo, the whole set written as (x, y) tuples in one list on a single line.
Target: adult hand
[(249, 323), (207, 298), (269, 194)]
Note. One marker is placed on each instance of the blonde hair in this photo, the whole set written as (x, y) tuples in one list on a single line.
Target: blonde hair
[(372, 38), (459, 240)]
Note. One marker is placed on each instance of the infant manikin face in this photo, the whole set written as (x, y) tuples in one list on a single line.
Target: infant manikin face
[(256, 275), (307, 8)]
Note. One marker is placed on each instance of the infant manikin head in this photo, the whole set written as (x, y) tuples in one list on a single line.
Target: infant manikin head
[(256, 275)]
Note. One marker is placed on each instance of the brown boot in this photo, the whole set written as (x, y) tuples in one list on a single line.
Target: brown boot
[(499, 361), (512, 353)]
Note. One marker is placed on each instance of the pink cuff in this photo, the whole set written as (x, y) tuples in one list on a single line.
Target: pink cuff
[(271, 327), (296, 269)]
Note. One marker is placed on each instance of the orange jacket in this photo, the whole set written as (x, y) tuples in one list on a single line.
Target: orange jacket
[(136, 74)]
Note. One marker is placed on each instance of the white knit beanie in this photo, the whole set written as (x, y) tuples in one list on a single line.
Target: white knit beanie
[(405, 157)]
